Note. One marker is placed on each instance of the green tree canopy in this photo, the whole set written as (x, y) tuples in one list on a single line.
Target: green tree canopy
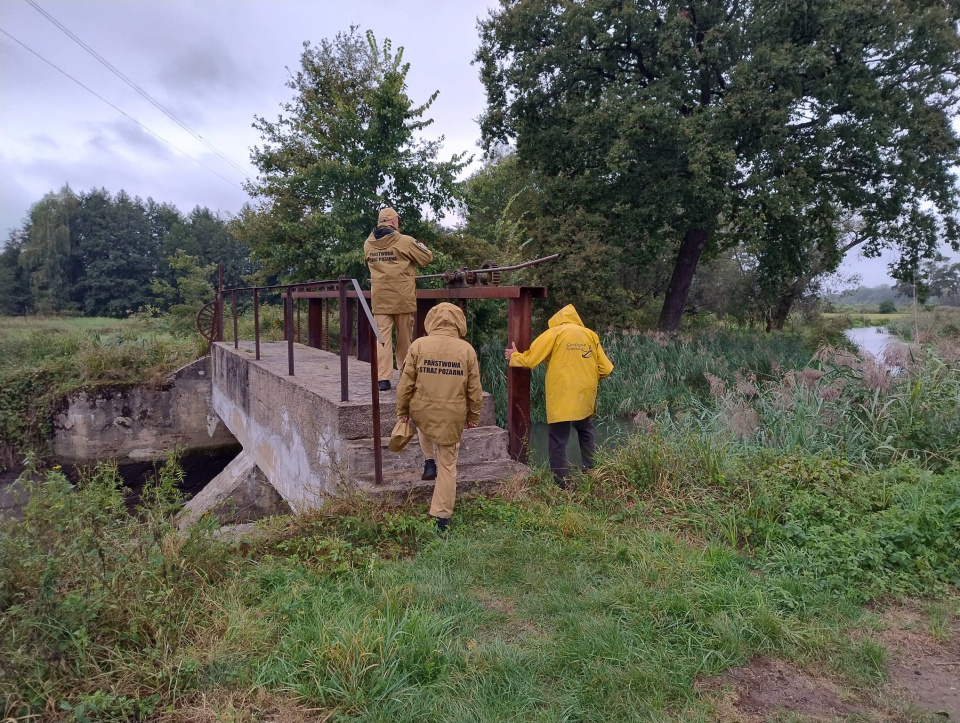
[(347, 145), (684, 127)]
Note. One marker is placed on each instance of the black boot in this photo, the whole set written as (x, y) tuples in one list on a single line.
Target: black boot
[(429, 470), (442, 524), (384, 385)]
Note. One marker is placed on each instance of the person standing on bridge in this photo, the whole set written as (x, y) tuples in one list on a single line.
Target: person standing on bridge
[(575, 365), (393, 260), (440, 390)]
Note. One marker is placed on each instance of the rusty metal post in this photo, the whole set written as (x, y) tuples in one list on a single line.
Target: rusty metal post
[(344, 341), (519, 316), (288, 318), (218, 322), (326, 333), (315, 323), (236, 337), (375, 396), (299, 335), (351, 337), (363, 335), (256, 321), (423, 307)]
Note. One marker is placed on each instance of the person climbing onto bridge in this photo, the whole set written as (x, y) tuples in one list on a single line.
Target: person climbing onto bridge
[(575, 365), (440, 390), (393, 259)]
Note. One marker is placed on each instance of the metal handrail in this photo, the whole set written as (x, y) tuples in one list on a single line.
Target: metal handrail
[(286, 291)]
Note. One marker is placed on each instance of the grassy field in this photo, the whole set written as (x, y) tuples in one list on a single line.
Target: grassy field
[(857, 319), (777, 504)]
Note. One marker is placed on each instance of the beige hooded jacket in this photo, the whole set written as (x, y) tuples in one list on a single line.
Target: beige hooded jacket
[(440, 385), (393, 259)]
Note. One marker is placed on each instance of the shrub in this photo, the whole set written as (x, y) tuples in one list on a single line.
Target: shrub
[(90, 593)]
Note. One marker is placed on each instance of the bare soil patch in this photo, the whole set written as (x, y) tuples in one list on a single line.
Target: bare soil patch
[(513, 627), (921, 669), (766, 686)]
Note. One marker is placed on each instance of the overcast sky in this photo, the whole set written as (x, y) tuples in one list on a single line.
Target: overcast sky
[(215, 64)]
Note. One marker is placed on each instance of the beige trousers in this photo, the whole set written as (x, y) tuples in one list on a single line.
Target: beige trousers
[(445, 488), (404, 324)]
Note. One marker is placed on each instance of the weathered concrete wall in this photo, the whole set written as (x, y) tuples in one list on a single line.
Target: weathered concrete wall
[(141, 422), (295, 428)]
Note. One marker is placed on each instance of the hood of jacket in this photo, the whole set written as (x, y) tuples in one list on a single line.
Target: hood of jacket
[(446, 320), (383, 237), (566, 315)]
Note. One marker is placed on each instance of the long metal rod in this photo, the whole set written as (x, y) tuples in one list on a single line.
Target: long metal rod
[(300, 284), (366, 310), (289, 330), (497, 268), (344, 351), (236, 337), (326, 313), (256, 321), (219, 319), (375, 398)]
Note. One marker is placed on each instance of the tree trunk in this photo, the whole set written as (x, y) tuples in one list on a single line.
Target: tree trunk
[(694, 242), (781, 310)]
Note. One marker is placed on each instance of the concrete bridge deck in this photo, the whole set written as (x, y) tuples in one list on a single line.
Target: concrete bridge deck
[(303, 443)]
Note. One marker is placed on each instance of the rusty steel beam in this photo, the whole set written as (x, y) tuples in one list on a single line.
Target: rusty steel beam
[(256, 322), (315, 323), (375, 396), (464, 292), (344, 370), (288, 318), (519, 315), (236, 336)]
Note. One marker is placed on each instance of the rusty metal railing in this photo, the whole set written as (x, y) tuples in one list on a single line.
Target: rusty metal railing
[(291, 329)]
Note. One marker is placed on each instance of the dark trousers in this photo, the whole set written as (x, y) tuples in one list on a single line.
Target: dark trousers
[(559, 434)]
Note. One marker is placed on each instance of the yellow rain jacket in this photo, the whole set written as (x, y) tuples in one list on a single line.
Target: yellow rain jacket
[(575, 365), (393, 259), (440, 385)]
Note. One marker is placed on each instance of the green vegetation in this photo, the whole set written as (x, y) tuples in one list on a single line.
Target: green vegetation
[(41, 360), (754, 512), (657, 373), (676, 559)]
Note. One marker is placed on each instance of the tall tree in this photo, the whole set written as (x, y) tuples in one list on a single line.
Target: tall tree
[(15, 296), (119, 253), (346, 145), (49, 254), (689, 125)]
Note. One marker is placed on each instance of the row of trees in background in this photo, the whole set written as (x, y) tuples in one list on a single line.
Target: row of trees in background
[(718, 155), (99, 254)]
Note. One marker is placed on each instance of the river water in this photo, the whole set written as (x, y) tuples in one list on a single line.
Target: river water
[(871, 339)]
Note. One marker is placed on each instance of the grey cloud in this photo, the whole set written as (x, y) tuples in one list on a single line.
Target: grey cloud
[(136, 138), (203, 68)]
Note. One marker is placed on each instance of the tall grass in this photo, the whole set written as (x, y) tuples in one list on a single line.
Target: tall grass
[(536, 606), (657, 373)]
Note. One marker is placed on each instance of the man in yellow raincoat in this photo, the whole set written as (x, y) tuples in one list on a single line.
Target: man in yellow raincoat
[(393, 260), (440, 390), (575, 365)]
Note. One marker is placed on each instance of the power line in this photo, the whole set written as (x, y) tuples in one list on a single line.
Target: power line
[(106, 63), (123, 113)]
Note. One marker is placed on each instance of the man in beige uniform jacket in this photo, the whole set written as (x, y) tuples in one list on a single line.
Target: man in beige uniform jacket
[(440, 390), (393, 259)]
